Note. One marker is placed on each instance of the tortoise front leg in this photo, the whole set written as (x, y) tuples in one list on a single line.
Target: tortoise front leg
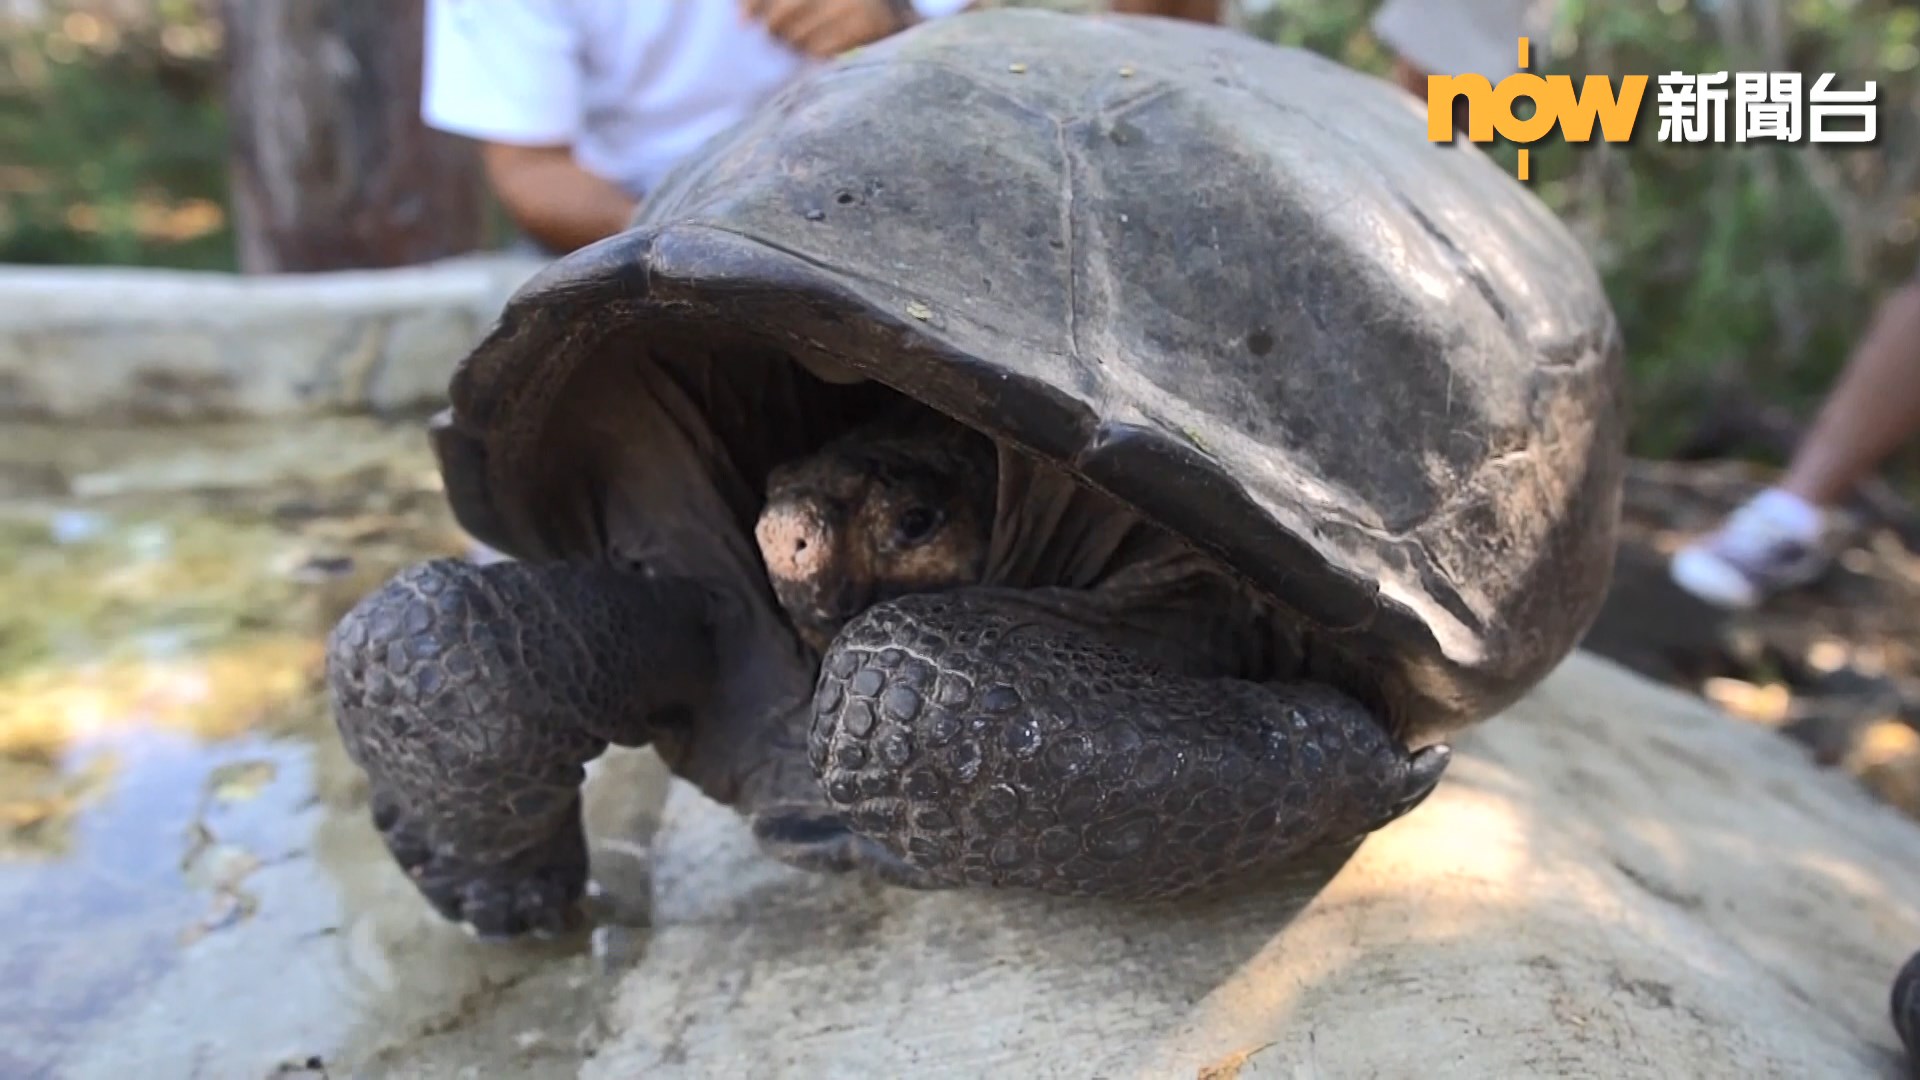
[(473, 697), (992, 741)]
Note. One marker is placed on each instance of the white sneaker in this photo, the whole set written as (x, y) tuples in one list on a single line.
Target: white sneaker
[(1774, 543)]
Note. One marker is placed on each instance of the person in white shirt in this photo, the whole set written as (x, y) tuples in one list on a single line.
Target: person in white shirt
[(581, 106)]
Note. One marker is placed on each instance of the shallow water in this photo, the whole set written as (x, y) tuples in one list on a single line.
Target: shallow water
[(188, 883)]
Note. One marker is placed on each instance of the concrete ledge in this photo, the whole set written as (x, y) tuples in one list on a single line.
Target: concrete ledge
[(122, 344)]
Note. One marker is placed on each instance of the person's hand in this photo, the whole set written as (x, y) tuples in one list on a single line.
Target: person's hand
[(825, 28)]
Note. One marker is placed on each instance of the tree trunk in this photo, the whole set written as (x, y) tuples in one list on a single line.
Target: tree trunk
[(331, 165)]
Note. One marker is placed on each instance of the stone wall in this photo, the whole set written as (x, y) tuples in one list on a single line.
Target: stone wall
[(124, 344)]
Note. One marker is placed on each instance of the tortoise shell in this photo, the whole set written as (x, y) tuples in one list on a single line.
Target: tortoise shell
[(1232, 285)]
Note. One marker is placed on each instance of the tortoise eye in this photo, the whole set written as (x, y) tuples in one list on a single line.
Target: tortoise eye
[(917, 525)]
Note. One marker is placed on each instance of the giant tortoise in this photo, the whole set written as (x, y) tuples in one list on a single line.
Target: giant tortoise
[(1098, 455)]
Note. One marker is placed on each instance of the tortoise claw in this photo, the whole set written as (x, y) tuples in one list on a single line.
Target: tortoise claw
[(536, 894), (1424, 771), (821, 841)]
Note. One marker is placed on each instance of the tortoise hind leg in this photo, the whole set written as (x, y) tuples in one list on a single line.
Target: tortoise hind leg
[(991, 741), (473, 697)]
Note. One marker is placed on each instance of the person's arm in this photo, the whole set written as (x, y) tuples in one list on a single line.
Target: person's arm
[(552, 198), (1204, 11), (826, 28), (506, 73)]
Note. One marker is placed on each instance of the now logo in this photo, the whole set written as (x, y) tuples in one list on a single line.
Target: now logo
[(1490, 107)]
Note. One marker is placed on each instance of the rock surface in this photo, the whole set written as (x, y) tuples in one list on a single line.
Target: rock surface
[(91, 343), (1834, 666), (1614, 881)]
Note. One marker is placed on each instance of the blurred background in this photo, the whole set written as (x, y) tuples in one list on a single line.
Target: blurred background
[(1742, 273), (165, 584)]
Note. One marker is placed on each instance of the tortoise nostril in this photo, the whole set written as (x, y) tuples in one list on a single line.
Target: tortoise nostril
[(799, 546)]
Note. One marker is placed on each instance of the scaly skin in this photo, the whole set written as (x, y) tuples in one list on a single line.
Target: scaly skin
[(973, 737), (473, 697), (961, 735), (990, 741)]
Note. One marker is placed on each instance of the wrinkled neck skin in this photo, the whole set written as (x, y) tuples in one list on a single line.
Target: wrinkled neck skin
[(1169, 601)]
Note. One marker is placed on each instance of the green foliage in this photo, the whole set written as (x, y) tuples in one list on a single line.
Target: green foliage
[(1746, 267), (113, 138)]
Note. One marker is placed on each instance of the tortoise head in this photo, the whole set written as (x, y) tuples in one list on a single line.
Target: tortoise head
[(898, 506)]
